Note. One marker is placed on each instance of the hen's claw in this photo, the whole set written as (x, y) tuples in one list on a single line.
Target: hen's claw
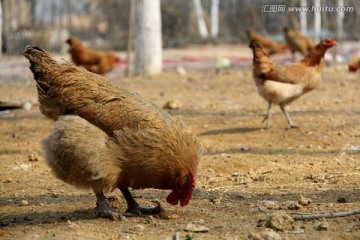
[(105, 211), (138, 211)]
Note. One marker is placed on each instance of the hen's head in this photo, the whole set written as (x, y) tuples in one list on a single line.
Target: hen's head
[(328, 43), (73, 42), (183, 187)]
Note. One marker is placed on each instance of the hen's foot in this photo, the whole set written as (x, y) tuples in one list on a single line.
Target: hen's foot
[(138, 211), (105, 211)]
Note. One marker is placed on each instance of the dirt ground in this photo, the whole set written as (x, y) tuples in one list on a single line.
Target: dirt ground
[(247, 173)]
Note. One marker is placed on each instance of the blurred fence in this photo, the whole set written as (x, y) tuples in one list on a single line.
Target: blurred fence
[(104, 24)]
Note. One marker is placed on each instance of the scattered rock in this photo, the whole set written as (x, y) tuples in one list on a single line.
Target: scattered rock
[(33, 157), (304, 201), (216, 200), (173, 105), (264, 234), (23, 166), (280, 221), (24, 203), (294, 206), (353, 148), (244, 149), (15, 135), (181, 70), (322, 226), (139, 228), (27, 105), (8, 180), (196, 228)]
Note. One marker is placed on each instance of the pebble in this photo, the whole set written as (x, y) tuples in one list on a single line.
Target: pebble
[(304, 201), (264, 234), (322, 226), (181, 70), (24, 203), (173, 105), (27, 105), (139, 228), (196, 228), (280, 221), (294, 206), (33, 157)]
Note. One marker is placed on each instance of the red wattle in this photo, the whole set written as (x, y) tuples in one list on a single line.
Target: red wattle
[(173, 198)]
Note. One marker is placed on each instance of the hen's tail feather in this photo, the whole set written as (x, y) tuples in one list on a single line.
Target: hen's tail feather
[(43, 67), (41, 63)]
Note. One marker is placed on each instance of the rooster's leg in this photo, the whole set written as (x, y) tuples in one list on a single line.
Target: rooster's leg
[(268, 115), (104, 210), (291, 125), (134, 208)]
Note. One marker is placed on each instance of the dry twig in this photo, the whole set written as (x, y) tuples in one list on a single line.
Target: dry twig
[(325, 215)]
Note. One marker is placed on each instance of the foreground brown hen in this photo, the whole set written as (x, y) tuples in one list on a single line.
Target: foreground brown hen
[(283, 84), (111, 138), (94, 61)]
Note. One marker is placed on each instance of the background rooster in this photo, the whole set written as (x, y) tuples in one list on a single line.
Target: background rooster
[(283, 84), (113, 138), (94, 61)]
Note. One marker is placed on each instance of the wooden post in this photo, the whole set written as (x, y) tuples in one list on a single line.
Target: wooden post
[(147, 39)]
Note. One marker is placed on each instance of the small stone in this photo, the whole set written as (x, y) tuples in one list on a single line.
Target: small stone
[(181, 70), (139, 228), (9, 180), (280, 221), (15, 135), (27, 105), (342, 200), (33, 157), (196, 228), (173, 105), (322, 226), (304, 201), (24, 203), (264, 234), (294, 206)]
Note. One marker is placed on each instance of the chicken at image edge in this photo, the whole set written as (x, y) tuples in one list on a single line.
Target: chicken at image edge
[(106, 137), (283, 84), (99, 62)]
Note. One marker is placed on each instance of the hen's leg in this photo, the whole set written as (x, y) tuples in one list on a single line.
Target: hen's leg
[(134, 208), (103, 209), (268, 115), (291, 125)]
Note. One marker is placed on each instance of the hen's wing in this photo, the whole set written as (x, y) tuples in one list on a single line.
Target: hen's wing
[(292, 74)]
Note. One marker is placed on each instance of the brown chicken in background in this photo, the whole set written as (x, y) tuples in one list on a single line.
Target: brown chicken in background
[(283, 84), (111, 138), (298, 42), (94, 61), (270, 46)]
